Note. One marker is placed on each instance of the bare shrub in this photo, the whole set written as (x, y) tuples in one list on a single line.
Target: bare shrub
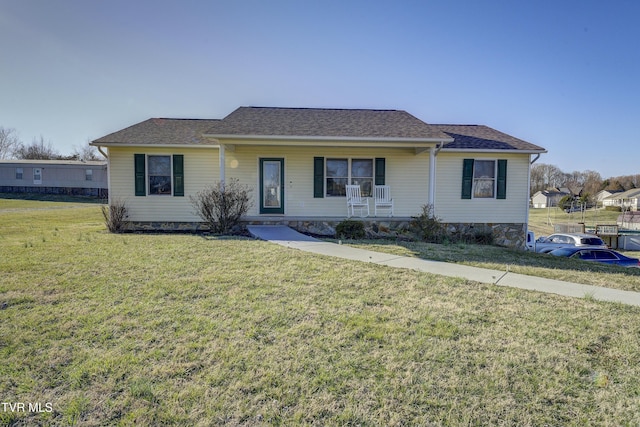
[(428, 226), (350, 229), (223, 205), (115, 216)]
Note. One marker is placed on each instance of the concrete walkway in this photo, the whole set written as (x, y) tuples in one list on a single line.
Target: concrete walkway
[(288, 237)]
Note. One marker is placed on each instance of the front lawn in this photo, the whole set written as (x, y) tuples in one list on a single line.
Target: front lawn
[(515, 261), (140, 329)]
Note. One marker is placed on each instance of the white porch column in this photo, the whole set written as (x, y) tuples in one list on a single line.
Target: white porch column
[(431, 197), (222, 160)]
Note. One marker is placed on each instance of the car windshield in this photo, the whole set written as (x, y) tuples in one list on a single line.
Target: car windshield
[(591, 241)]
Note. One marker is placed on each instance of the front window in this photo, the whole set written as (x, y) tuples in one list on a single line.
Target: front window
[(159, 174), (342, 172), (88, 175), (362, 175), (337, 177), (484, 179), (19, 173)]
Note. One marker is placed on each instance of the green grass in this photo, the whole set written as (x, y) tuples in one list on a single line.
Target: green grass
[(515, 261), (139, 329), (542, 221)]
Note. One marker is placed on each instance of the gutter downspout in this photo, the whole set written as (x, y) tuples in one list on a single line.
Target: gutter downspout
[(103, 153), (221, 157), (536, 159), (529, 197), (433, 152), (106, 156)]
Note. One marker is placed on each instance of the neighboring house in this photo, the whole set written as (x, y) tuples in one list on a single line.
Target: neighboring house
[(626, 200), (298, 161), (69, 177), (547, 198), (574, 190), (603, 198)]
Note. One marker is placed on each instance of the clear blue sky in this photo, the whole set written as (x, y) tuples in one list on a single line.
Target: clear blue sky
[(561, 74)]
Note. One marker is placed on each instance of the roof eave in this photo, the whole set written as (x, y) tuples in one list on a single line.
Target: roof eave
[(331, 139), (494, 150), (126, 144)]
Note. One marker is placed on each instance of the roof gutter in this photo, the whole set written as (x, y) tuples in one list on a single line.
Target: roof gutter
[(480, 150), (326, 138), (151, 145)]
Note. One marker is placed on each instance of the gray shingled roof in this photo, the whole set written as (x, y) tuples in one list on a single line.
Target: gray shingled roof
[(317, 123), (161, 132), (629, 194), (483, 138), (321, 122)]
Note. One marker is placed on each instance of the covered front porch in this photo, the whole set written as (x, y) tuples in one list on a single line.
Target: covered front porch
[(301, 181)]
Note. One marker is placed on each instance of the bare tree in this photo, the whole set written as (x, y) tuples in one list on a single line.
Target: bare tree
[(592, 182), (38, 150), (544, 176), (537, 179), (86, 153), (9, 142)]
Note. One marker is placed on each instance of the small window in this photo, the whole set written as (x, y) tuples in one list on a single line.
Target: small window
[(88, 175), (19, 173), (159, 175), (484, 179)]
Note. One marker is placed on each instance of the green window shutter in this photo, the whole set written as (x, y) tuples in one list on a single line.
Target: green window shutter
[(380, 170), (318, 177), (467, 178), (139, 174), (502, 179), (178, 175)]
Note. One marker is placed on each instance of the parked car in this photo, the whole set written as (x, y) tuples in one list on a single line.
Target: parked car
[(606, 256), (563, 240)]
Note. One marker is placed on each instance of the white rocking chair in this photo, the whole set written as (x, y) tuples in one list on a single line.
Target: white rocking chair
[(382, 199), (356, 202)]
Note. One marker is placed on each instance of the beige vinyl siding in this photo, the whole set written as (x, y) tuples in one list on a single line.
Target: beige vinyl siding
[(200, 170), (450, 207), (406, 173)]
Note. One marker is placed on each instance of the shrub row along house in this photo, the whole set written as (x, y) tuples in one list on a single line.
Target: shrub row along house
[(298, 161), (60, 177)]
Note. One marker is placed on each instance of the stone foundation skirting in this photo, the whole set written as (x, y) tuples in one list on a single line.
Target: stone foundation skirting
[(374, 228), (100, 193), (508, 235)]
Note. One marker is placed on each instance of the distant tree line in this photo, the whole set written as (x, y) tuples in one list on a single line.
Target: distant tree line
[(588, 183), (11, 147)]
